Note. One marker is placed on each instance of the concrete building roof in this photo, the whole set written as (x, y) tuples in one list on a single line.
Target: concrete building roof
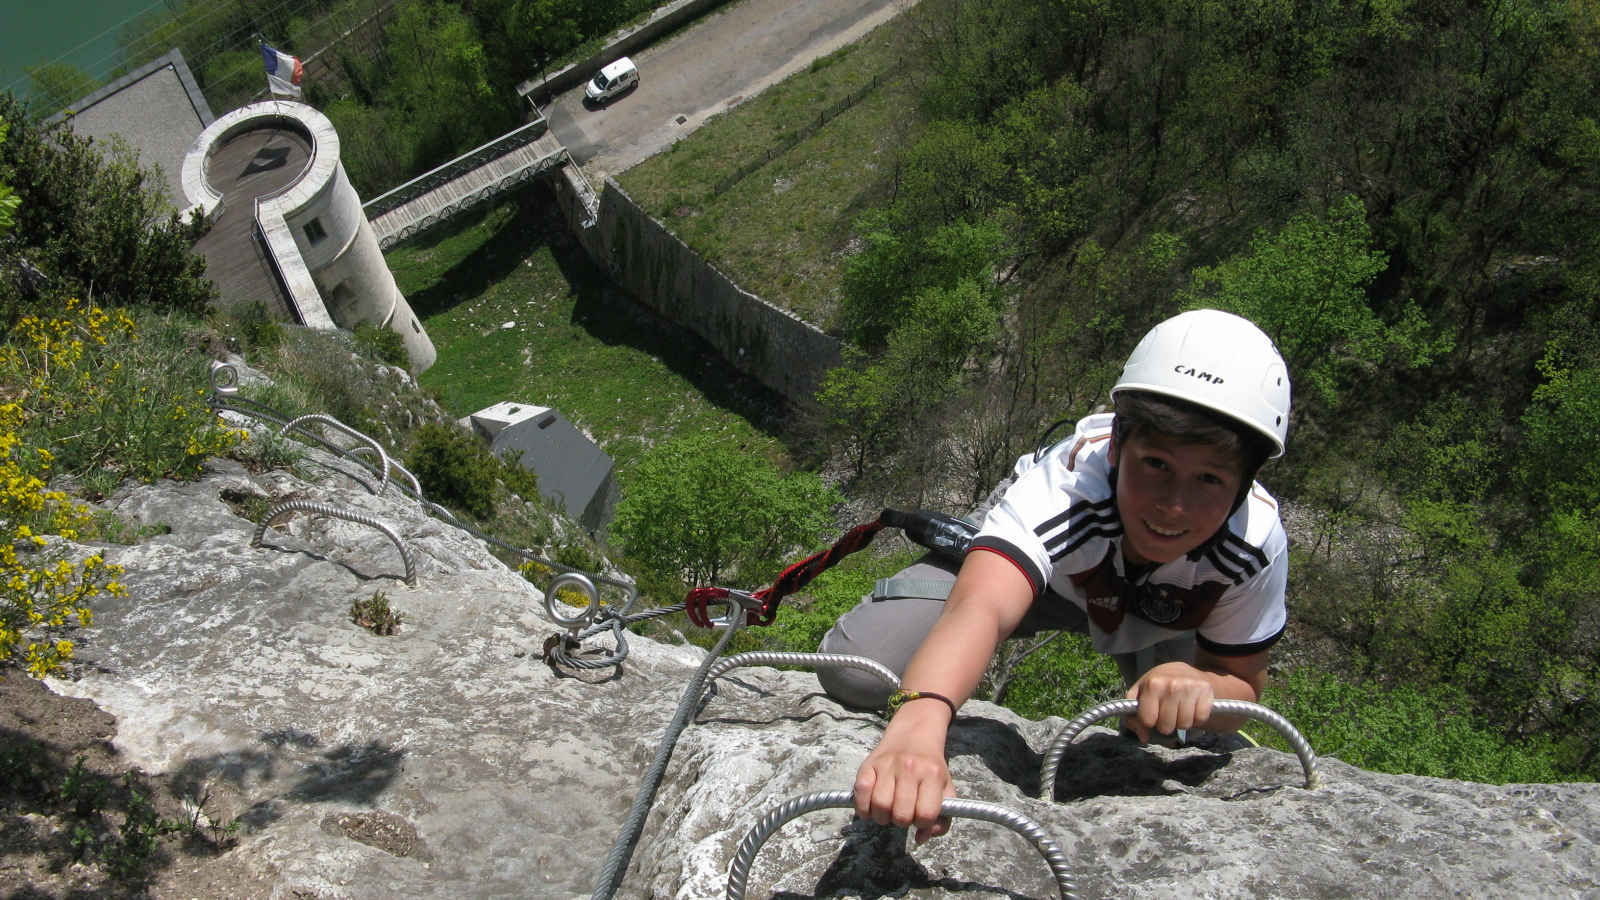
[(573, 471), (157, 109)]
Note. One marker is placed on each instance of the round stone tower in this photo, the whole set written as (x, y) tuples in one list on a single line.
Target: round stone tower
[(271, 171)]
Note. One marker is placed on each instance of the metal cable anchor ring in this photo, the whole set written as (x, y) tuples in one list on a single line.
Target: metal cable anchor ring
[(1064, 739), (224, 379), (582, 583), (739, 870)]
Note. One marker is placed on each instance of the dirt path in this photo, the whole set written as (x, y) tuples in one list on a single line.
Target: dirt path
[(709, 67), (42, 737)]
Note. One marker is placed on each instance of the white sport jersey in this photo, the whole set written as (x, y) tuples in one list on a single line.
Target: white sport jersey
[(1058, 523)]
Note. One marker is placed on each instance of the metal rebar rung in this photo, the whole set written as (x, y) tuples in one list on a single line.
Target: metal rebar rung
[(827, 660), (739, 871), (1058, 745), (383, 458), (337, 512)]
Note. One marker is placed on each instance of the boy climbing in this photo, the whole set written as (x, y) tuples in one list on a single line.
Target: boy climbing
[(1144, 530)]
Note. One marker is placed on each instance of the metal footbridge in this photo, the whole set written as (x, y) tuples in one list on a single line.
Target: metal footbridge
[(463, 183)]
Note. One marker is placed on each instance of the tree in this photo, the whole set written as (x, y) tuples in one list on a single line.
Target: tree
[(438, 81), (704, 507), (55, 86), (8, 199), (95, 224), (1305, 287)]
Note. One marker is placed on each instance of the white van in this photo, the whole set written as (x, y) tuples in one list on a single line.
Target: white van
[(612, 80)]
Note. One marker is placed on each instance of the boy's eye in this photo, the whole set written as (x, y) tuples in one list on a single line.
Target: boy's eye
[(1155, 462), (1209, 478)]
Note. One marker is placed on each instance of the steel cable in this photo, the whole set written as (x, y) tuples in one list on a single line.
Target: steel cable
[(739, 870), (1064, 739), (616, 864), (337, 512)]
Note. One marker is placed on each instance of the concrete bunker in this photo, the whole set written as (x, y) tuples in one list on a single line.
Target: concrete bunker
[(573, 471)]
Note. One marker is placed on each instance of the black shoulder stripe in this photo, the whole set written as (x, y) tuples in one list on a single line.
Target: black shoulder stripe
[(1083, 539), (1036, 578), (1239, 562), (1237, 577), (1060, 519), (1247, 547), (1109, 517)]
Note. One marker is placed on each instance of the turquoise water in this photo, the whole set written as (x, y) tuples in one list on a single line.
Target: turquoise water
[(82, 31)]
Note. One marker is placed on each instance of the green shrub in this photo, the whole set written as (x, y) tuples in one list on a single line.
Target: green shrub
[(1062, 678), (253, 327), (455, 468), (383, 344), (705, 507), (522, 482), (110, 397), (94, 224), (579, 557), (1406, 731)]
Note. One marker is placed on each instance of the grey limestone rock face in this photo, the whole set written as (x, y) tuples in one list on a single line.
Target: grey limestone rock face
[(450, 761)]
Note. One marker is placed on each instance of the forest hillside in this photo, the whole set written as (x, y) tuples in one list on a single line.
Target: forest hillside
[(1403, 194)]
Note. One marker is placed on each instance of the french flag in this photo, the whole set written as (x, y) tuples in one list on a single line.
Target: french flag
[(283, 71)]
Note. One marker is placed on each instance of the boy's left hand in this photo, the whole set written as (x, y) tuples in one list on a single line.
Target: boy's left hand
[(1171, 696)]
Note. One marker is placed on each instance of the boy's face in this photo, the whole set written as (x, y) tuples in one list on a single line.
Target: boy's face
[(1171, 496)]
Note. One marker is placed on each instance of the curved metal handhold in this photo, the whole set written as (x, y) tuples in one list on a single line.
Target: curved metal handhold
[(364, 449), (780, 658), (383, 458), (337, 512), (739, 871), (582, 582), (224, 379), (1064, 739)]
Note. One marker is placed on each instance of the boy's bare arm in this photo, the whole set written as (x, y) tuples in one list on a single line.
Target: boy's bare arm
[(1177, 695), (905, 779)]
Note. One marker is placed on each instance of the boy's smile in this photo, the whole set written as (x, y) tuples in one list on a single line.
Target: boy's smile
[(1171, 496)]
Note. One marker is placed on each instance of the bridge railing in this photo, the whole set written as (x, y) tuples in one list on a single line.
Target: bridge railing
[(453, 169), (391, 232)]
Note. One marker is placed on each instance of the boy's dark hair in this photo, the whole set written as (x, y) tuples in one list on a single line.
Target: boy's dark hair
[(1142, 412)]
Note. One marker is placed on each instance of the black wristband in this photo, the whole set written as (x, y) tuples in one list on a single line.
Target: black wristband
[(901, 698)]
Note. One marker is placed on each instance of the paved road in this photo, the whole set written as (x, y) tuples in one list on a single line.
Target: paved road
[(721, 60)]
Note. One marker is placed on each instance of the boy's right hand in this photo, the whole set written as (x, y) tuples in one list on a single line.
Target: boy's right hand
[(905, 780)]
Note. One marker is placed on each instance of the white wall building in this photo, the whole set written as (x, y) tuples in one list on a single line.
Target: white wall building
[(313, 230)]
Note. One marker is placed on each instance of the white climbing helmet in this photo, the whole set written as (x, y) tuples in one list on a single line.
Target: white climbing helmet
[(1219, 361)]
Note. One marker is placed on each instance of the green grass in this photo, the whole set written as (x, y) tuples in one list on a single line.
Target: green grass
[(784, 232), (579, 344)]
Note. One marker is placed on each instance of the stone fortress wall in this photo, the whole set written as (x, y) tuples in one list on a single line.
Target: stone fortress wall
[(769, 344)]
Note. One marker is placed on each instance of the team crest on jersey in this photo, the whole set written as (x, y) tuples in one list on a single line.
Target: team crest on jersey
[(1110, 598), (1157, 605)]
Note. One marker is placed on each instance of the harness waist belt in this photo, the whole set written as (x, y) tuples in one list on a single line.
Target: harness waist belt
[(897, 588)]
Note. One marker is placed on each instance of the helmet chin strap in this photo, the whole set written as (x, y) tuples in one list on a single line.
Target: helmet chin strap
[(1248, 481)]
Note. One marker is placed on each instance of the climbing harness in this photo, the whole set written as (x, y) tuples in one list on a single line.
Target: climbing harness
[(945, 535), (1064, 739), (739, 871)]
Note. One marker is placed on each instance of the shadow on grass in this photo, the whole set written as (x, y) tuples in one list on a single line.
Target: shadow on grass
[(603, 310)]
